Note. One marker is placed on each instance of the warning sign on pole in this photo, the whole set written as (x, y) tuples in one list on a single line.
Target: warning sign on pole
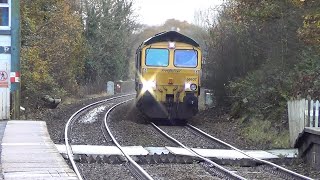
[(4, 79)]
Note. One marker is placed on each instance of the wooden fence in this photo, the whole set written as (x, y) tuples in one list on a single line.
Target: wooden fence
[(302, 113)]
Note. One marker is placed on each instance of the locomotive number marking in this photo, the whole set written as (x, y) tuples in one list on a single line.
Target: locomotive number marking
[(171, 70), (192, 79)]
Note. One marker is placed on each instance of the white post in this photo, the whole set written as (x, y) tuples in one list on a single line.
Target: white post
[(311, 114), (291, 122), (316, 115), (306, 113), (301, 111), (296, 114)]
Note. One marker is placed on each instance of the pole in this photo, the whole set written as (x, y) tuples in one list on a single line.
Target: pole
[(15, 60)]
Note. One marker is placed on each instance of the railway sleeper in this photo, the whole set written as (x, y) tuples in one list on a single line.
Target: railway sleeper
[(170, 158), (279, 172)]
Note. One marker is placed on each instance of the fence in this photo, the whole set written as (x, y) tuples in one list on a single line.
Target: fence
[(302, 113)]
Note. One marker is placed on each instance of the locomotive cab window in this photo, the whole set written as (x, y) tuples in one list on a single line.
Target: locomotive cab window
[(185, 58), (157, 57)]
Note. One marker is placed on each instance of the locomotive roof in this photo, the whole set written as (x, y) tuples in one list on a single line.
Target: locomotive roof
[(170, 36)]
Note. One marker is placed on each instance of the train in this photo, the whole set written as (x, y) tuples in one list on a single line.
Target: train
[(167, 79)]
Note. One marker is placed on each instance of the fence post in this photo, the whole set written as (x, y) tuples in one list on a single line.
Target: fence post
[(291, 122), (301, 110), (298, 114), (316, 115), (311, 114), (294, 115), (306, 113)]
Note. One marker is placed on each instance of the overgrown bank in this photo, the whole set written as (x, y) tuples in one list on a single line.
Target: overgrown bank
[(72, 48), (258, 54), (261, 54)]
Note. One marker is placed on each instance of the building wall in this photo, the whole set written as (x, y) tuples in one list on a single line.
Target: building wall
[(5, 58)]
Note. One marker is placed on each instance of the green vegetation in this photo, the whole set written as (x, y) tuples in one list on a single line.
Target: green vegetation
[(73, 47), (260, 54), (257, 54), (52, 48), (263, 133)]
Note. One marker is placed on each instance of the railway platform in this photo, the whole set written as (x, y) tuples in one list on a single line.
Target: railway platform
[(27, 152)]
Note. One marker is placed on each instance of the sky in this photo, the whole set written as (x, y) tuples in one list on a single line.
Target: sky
[(156, 12)]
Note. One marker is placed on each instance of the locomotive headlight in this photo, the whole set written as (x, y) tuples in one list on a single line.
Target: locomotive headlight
[(193, 87), (149, 85), (190, 87)]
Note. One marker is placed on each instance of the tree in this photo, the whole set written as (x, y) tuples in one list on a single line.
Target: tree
[(53, 48), (109, 27), (262, 53)]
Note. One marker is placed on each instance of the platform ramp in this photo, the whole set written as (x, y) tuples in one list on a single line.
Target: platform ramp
[(304, 127), (29, 153), (308, 143)]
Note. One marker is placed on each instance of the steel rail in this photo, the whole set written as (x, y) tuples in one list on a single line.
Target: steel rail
[(139, 170), (224, 170), (67, 127), (248, 155)]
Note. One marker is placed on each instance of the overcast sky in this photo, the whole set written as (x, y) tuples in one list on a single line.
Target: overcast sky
[(156, 12)]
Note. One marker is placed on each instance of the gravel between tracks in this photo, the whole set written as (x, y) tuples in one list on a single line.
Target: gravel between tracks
[(190, 139), (178, 172), (105, 171), (131, 128), (213, 123)]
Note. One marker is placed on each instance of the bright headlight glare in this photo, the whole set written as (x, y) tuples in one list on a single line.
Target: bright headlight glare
[(187, 86), (149, 85)]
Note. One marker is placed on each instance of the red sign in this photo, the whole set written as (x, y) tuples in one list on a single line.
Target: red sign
[(14, 77), (4, 79)]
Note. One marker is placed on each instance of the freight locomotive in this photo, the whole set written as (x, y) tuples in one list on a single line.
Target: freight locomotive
[(168, 70)]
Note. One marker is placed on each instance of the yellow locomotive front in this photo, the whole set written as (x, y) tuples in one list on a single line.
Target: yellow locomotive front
[(168, 76)]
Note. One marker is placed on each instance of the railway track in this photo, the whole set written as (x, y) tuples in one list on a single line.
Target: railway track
[(75, 117), (273, 168), (136, 169), (218, 170), (265, 170), (268, 170)]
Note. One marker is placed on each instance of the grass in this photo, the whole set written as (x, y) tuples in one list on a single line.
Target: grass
[(261, 132)]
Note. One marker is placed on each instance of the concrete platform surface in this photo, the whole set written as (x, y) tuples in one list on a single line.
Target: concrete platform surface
[(29, 153)]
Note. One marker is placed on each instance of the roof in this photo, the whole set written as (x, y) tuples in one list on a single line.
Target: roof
[(170, 36)]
